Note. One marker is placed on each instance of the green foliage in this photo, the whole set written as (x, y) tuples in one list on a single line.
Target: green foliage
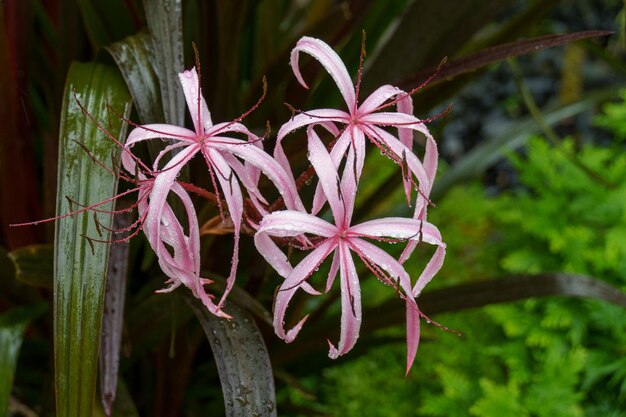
[(614, 118), (549, 357)]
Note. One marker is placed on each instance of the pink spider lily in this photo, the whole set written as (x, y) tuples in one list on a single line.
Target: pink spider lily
[(183, 267), (366, 120), (178, 253), (342, 240), (220, 152)]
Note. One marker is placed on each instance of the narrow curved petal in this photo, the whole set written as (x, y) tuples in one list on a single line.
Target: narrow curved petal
[(431, 155), (273, 170), (311, 117), (289, 223), (272, 254), (198, 108), (328, 177), (234, 200), (163, 183), (407, 121), (330, 60), (352, 170), (413, 163), (182, 266), (405, 105), (277, 259), (391, 119), (399, 228), (165, 151), (387, 263), (332, 273), (433, 266), (336, 155), (219, 129), (193, 241), (351, 316), (152, 131), (247, 178), (378, 97), (159, 131), (292, 283), (397, 273), (253, 171), (412, 333)]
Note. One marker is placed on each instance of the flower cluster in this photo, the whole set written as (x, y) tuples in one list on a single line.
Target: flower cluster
[(235, 166)]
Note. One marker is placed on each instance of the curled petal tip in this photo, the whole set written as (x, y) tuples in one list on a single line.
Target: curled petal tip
[(291, 334), (333, 353), (223, 315)]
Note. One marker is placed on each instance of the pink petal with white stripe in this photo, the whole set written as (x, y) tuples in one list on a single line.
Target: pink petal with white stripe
[(351, 316), (309, 118), (253, 155), (331, 62), (387, 263), (327, 173), (196, 104), (290, 223), (292, 283), (379, 97), (433, 266), (399, 228), (232, 194), (412, 333)]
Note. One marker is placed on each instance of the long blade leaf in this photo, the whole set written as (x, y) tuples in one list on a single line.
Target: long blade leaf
[(80, 265), (132, 56), (112, 320), (165, 24), (242, 361), (457, 298), (496, 54)]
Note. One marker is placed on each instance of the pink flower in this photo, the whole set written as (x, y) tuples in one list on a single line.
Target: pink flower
[(366, 120), (343, 240), (178, 253), (221, 153)]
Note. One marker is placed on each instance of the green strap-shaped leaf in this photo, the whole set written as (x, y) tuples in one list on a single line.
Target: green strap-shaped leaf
[(12, 326), (242, 361), (165, 23), (132, 56), (80, 264)]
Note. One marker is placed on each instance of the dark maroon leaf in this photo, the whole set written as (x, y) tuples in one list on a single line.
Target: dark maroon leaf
[(113, 316), (456, 298), (19, 196), (427, 32), (496, 54)]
